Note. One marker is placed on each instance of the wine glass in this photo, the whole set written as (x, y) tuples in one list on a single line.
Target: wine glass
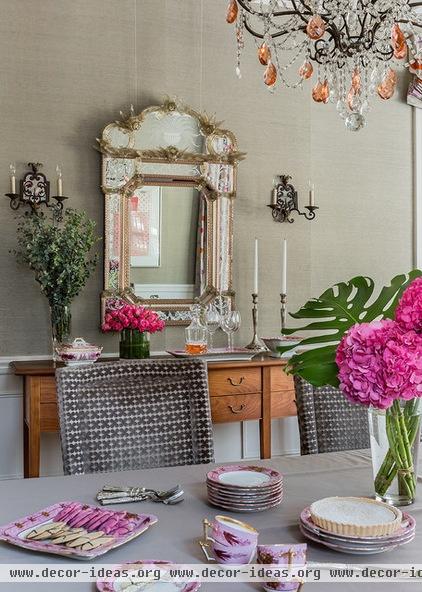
[(212, 319), (230, 323)]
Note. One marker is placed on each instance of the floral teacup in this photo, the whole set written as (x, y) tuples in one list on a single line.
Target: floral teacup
[(223, 554), (230, 531), (231, 540), (288, 555)]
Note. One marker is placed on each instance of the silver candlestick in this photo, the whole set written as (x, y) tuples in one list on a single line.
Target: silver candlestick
[(283, 310), (256, 344)]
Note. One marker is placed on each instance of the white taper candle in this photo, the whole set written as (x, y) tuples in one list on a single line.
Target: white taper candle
[(59, 180), (311, 194), (255, 283), (12, 169), (284, 267)]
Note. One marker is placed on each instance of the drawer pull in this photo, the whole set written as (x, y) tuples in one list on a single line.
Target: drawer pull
[(239, 410), (233, 383)]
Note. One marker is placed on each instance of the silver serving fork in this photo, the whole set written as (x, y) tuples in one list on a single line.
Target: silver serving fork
[(111, 494)]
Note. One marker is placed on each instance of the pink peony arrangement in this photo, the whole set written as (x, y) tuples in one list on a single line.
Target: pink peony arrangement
[(379, 362), (131, 316), (409, 309)]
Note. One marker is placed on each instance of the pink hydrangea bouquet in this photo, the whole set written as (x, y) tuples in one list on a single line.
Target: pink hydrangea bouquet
[(380, 366), (135, 324)]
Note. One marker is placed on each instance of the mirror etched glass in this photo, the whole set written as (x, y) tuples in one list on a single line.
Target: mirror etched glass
[(169, 180)]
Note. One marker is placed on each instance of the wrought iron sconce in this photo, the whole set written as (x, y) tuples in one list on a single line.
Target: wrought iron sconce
[(284, 201), (34, 190)]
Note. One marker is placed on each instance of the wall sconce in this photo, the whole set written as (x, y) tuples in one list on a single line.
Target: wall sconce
[(34, 190), (284, 200)]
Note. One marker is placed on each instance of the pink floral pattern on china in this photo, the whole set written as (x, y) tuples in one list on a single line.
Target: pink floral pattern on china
[(79, 350), (408, 525), (279, 554), (108, 585), (274, 477), (13, 533)]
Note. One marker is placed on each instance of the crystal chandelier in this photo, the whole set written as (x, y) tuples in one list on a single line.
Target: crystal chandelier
[(350, 48)]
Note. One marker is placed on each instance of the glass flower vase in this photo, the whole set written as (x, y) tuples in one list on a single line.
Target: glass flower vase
[(395, 435), (60, 318), (134, 344)]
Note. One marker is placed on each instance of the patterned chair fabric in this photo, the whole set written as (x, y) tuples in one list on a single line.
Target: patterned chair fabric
[(327, 421), (118, 416)]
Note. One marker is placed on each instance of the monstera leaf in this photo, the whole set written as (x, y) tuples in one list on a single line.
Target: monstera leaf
[(332, 314)]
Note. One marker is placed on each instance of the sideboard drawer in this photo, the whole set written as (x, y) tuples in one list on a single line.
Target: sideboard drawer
[(234, 381), (283, 404), (281, 381), (235, 408)]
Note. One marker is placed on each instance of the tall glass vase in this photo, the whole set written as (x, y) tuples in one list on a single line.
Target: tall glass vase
[(134, 344), (61, 318), (395, 436)]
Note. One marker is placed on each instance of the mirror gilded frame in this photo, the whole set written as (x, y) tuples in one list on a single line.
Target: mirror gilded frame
[(141, 150)]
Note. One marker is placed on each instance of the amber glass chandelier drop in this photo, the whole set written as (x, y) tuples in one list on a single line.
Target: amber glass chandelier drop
[(350, 48)]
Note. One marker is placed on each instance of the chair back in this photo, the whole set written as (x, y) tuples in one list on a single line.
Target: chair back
[(327, 421), (117, 416)]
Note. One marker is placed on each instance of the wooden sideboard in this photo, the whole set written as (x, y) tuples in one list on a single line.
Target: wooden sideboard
[(239, 391)]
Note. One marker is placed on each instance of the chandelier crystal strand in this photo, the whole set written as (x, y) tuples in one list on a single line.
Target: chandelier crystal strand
[(354, 47)]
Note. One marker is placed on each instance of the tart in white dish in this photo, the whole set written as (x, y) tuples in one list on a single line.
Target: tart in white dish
[(355, 516)]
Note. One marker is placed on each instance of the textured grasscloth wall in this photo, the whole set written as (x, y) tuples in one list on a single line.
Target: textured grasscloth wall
[(69, 67)]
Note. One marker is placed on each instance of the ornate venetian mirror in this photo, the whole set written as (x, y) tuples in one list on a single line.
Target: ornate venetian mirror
[(169, 179)]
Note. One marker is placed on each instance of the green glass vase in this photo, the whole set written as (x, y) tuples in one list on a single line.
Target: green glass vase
[(134, 344)]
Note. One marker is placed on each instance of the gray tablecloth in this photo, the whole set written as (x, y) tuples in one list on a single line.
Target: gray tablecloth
[(175, 536)]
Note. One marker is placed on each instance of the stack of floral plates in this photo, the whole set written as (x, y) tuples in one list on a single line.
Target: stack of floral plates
[(243, 488), (359, 526)]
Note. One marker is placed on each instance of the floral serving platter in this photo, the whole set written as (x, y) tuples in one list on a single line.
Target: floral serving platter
[(16, 532), (246, 477), (129, 580)]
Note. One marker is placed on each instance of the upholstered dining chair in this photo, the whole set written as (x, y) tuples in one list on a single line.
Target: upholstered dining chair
[(327, 421), (117, 416)]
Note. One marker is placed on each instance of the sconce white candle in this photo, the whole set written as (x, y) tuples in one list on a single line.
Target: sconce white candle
[(255, 283), (274, 197), (12, 169), (59, 180), (311, 194), (284, 267)]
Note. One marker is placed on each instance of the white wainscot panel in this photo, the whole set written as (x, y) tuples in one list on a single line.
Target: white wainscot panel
[(284, 437), (11, 447), (51, 455)]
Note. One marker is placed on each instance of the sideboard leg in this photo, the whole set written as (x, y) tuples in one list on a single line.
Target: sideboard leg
[(31, 428), (265, 422)]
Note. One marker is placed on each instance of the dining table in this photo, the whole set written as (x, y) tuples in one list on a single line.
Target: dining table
[(175, 536)]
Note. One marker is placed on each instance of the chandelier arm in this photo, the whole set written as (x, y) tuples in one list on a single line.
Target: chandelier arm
[(299, 13), (254, 33), (248, 9), (414, 23), (415, 4)]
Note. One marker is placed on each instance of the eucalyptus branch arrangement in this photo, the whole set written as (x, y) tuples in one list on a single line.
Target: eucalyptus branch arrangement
[(59, 254)]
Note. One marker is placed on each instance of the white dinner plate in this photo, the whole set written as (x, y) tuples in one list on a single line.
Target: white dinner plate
[(244, 476)]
